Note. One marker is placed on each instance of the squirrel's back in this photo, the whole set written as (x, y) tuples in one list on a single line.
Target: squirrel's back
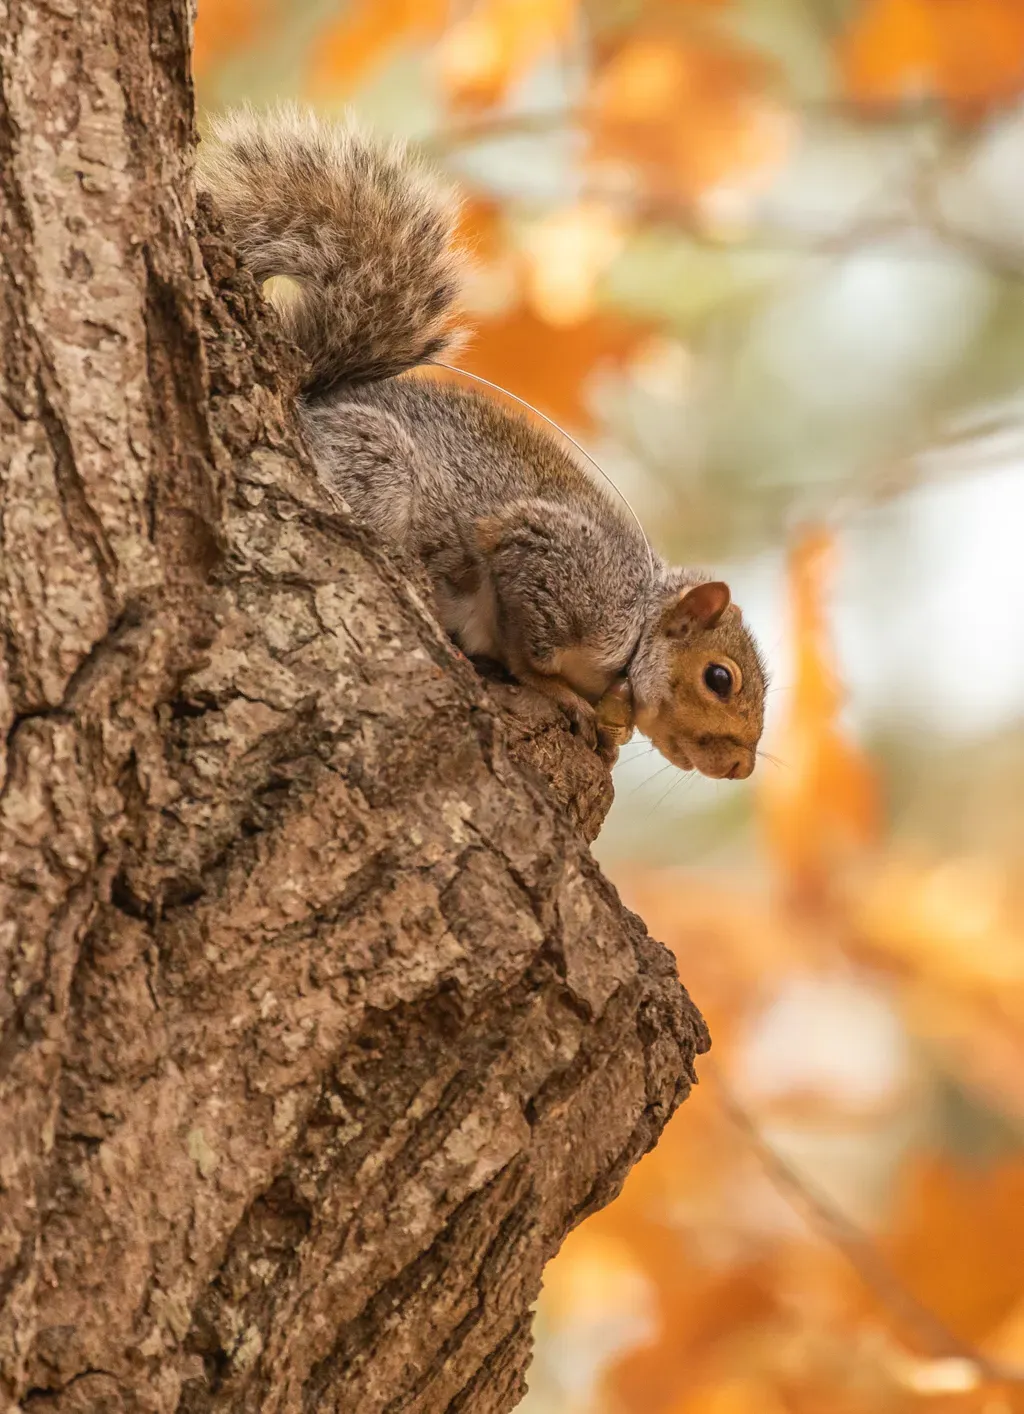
[(364, 233)]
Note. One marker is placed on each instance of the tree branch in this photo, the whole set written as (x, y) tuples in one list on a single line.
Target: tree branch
[(931, 1333)]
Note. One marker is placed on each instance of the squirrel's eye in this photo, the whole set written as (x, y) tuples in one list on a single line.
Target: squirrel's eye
[(718, 680)]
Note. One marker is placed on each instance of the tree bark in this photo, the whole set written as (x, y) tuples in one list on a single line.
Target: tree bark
[(319, 1027)]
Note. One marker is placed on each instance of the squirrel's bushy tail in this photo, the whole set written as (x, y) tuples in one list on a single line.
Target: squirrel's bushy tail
[(363, 231)]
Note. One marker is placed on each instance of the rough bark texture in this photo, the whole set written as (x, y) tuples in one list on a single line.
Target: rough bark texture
[(319, 1027)]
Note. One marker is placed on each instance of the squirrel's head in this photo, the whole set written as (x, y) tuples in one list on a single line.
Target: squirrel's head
[(698, 682)]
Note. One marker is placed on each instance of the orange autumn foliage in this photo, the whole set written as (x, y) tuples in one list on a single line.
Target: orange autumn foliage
[(951, 935), (223, 27), (550, 367), (821, 808), (685, 113), (365, 34), (967, 53), (957, 1239), (775, 1319), (488, 48), (479, 51)]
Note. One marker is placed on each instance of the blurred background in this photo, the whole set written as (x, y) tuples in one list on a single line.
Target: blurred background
[(765, 258)]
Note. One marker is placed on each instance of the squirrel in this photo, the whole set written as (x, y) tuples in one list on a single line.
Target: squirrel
[(533, 563)]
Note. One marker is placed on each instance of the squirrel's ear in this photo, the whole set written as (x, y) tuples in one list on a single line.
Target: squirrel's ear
[(698, 607)]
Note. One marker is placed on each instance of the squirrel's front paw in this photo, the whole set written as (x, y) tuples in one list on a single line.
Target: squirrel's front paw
[(614, 716)]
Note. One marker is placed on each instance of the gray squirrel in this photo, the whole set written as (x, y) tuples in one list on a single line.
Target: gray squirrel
[(534, 564)]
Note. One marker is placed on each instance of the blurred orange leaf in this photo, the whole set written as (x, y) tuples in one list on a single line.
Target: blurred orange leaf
[(550, 367), (222, 28), (951, 920), (602, 1276), (735, 1394), (731, 944), (480, 230), (821, 806), (968, 52), (566, 255), (953, 934), (698, 1309), (489, 48), (957, 1239), (347, 50), (688, 114), (1007, 1341)]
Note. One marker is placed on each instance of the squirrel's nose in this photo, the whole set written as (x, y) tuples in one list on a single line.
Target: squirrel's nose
[(741, 768)]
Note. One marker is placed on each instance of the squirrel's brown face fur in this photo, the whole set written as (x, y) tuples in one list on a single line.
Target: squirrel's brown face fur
[(699, 684)]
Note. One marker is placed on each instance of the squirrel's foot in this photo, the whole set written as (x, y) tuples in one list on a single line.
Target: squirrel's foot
[(584, 721), (576, 708)]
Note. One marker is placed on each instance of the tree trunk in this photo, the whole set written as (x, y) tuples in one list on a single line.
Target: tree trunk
[(319, 1027)]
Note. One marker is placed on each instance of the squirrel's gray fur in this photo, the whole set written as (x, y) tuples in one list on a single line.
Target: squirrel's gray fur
[(534, 564)]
